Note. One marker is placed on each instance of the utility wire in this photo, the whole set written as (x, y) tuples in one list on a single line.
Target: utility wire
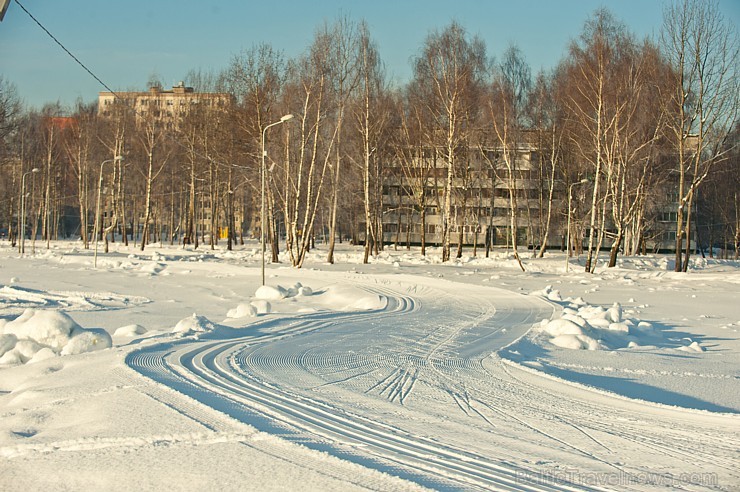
[(115, 94), (64, 48)]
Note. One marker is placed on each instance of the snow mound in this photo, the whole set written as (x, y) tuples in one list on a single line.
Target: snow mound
[(243, 310), (193, 324), (278, 292), (576, 342), (129, 331), (37, 335), (563, 326), (347, 298), (270, 293), (87, 341), (49, 328), (299, 298), (548, 293), (694, 347), (153, 268), (582, 326), (262, 306)]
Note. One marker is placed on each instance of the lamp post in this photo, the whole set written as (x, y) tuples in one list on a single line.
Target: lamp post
[(567, 234), (22, 245), (262, 208), (97, 207)]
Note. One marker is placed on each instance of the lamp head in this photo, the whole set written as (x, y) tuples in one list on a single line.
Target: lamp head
[(286, 118)]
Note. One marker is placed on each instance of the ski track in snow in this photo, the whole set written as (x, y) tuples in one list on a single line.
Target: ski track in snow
[(14, 300), (349, 383)]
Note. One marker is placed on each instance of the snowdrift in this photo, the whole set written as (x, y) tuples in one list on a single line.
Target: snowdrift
[(582, 326), (40, 334), (300, 298)]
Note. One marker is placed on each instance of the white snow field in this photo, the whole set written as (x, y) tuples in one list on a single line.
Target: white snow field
[(172, 369)]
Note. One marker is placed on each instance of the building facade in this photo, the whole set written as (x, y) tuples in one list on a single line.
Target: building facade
[(480, 206), (168, 106)]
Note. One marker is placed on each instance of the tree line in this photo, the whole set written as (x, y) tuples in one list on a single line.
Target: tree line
[(622, 125)]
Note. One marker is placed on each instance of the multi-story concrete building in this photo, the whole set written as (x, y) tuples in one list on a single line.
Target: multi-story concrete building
[(480, 206), (165, 105), (480, 202), (168, 108)]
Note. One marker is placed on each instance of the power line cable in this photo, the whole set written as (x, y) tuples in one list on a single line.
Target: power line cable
[(115, 94), (63, 47)]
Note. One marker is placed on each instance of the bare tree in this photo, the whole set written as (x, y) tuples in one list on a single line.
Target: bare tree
[(546, 118), (702, 48), (416, 167), (154, 152), (343, 46), (10, 111), (720, 209), (510, 91), (372, 117), (307, 151), (448, 75), (590, 73), (630, 144), (115, 134), (10, 118), (79, 148), (256, 77)]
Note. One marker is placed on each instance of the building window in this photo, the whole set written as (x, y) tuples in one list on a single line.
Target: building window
[(668, 217)]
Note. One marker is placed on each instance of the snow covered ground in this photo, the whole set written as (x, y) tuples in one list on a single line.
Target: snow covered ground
[(170, 368)]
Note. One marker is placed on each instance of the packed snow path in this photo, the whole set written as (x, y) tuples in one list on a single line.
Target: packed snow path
[(416, 390)]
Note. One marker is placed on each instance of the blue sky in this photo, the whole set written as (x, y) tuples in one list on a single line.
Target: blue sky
[(125, 42)]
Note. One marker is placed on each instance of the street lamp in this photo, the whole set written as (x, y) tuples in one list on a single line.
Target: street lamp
[(263, 171), (567, 234), (22, 245), (97, 207)]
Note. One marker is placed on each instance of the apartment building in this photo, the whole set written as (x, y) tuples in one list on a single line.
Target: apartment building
[(480, 207), (166, 105), (480, 204)]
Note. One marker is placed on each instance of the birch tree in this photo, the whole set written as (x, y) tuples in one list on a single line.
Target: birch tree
[(547, 122), (343, 46), (372, 117), (154, 152), (448, 75), (256, 77), (702, 48), (416, 157), (589, 71), (307, 151), (510, 90), (10, 119), (79, 149)]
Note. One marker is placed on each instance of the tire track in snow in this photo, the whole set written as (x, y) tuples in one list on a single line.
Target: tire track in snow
[(440, 346), (687, 436), (221, 371)]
